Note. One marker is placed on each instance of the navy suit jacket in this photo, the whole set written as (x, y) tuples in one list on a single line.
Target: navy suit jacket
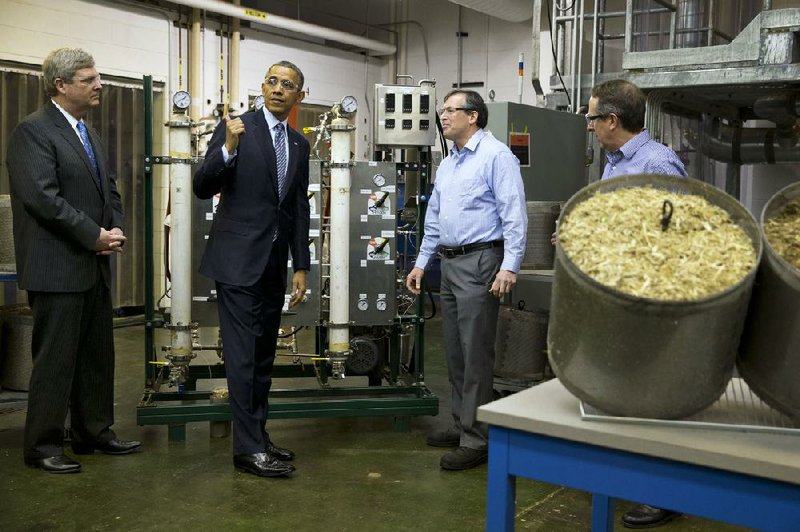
[(57, 206), (249, 211)]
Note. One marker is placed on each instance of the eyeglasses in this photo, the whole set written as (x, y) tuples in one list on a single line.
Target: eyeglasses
[(451, 110), (86, 81), (592, 118), (285, 83)]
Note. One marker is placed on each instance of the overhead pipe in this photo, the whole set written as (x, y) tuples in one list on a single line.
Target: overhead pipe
[(285, 23), (195, 65), (739, 145)]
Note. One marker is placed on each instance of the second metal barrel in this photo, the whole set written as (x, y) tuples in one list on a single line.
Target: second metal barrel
[(769, 356)]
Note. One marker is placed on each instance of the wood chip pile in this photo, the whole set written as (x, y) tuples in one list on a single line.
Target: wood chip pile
[(783, 233), (617, 239)]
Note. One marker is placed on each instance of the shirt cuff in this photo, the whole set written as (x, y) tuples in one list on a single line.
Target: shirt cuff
[(228, 157)]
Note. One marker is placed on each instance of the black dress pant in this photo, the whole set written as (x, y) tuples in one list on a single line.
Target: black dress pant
[(73, 367), (249, 318)]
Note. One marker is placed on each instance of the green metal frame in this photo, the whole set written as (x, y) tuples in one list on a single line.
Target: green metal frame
[(175, 409)]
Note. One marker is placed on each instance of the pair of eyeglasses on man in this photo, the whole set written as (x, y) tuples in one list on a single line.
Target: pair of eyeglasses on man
[(592, 118), (285, 83), (451, 110), (85, 81)]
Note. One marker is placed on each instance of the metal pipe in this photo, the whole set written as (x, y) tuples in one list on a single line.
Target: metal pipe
[(195, 66), (521, 76), (574, 66), (339, 337), (628, 26), (577, 75), (595, 22), (276, 21), (180, 180), (234, 50), (744, 145), (459, 64)]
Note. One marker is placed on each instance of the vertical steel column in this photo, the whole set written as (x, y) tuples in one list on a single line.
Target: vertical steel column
[(149, 303)]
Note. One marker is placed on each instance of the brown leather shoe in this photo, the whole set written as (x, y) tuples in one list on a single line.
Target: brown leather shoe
[(262, 464), (463, 458), (646, 516), (55, 464)]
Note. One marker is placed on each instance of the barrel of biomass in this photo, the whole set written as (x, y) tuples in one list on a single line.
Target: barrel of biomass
[(769, 356), (641, 357)]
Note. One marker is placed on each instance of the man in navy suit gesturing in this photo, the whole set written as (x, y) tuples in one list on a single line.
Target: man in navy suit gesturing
[(259, 167)]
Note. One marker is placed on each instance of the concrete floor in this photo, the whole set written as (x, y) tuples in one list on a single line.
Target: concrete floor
[(353, 474)]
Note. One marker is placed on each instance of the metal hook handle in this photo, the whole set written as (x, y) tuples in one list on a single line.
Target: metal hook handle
[(666, 214)]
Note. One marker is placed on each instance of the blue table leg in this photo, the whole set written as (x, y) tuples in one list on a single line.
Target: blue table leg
[(501, 487), (602, 513)]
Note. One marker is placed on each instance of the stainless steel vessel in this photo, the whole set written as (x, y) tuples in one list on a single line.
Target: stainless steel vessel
[(632, 356), (769, 355)]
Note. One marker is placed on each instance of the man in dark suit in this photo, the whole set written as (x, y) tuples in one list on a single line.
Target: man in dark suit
[(67, 221), (259, 167)]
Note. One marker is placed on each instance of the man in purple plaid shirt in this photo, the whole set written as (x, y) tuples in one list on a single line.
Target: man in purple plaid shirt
[(616, 115)]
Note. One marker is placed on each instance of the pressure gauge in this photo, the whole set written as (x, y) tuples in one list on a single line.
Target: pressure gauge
[(258, 102), (363, 305), (349, 104), (379, 180), (181, 100), (380, 304)]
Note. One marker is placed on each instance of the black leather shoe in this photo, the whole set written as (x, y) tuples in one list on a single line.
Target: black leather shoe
[(110, 447), (284, 455), (55, 464), (463, 458), (262, 464), (449, 437), (646, 516)]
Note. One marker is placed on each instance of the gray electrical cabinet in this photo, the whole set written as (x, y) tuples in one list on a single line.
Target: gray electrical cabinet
[(308, 312), (551, 147), (373, 243), (405, 115)]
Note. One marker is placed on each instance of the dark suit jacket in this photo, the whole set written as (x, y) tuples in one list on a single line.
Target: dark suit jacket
[(240, 241), (57, 207)]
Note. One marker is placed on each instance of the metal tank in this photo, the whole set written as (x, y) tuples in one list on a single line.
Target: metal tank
[(631, 356), (769, 355)]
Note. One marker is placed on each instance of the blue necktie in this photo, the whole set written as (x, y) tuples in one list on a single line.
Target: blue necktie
[(280, 157), (87, 145)]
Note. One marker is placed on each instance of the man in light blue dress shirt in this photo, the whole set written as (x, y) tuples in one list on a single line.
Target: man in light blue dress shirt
[(616, 115), (477, 220)]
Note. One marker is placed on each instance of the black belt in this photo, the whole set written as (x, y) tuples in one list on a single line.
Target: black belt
[(468, 248)]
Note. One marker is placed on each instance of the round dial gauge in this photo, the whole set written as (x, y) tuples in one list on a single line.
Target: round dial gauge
[(381, 304), (363, 305), (181, 100), (349, 104), (379, 180)]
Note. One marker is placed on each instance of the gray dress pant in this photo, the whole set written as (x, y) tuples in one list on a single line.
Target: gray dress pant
[(469, 316)]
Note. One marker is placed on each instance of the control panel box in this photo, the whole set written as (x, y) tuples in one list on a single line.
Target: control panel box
[(373, 243), (405, 115)]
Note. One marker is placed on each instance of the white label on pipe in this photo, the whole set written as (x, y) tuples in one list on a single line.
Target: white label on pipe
[(366, 237), (365, 191), (381, 296), (374, 163), (363, 263), (313, 232), (388, 188), (390, 261), (362, 296), (365, 217), (209, 216), (387, 233), (314, 187)]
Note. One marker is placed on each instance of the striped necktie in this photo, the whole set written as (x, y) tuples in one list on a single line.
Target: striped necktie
[(87, 145), (280, 157)]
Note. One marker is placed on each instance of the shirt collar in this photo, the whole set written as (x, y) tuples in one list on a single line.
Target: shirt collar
[(472, 143), (632, 146), (73, 122), (272, 121)]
